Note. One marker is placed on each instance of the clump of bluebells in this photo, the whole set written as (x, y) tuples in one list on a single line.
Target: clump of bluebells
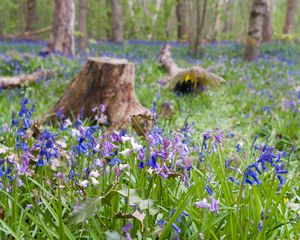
[(266, 160), (22, 122), (92, 155)]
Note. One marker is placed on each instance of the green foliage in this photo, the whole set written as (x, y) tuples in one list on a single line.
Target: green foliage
[(256, 101), (141, 19)]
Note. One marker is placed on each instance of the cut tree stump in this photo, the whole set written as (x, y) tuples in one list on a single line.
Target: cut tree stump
[(108, 82), (23, 79), (194, 79)]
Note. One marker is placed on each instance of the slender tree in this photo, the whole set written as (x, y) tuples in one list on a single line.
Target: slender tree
[(254, 39), (229, 15), (31, 15), (217, 25), (197, 19), (181, 19), (108, 7), (83, 8), (63, 27), (267, 26), (117, 29), (291, 8)]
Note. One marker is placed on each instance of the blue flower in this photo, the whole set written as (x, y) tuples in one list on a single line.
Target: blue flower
[(161, 223), (115, 161), (177, 229), (209, 190)]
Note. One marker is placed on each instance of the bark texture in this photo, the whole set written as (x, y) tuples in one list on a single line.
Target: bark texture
[(31, 15), (181, 20), (254, 39), (83, 8), (63, 27), (194, 79), (104, 81), (24, 79), (117, 33), (217, 25), (267, 26), (229, 15), (291, 9), (197, 15)]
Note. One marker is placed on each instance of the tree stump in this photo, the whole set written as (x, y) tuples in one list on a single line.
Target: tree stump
[(109, 82), (189, 80)]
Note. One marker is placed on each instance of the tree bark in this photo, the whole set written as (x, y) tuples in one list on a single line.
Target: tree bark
[(191, 80), (63, 27), (254, 39), (31, 16), (117, 29), (109, 20), (23, 79), (217, 25), (198, 21), (229, 13), (291, 9), (181, 19), (104, 81), (83, 4), (267, 26)]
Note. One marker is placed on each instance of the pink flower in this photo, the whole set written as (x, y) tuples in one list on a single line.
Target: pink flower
[(213, 206)]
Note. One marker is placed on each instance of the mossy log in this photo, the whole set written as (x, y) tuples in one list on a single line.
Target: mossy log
[(193, 79), (24, 79), (108, 82)]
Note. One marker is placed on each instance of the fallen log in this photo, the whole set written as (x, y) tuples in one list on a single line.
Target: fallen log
[(193, 79), (24, 79), (108, 82), (28, 35)]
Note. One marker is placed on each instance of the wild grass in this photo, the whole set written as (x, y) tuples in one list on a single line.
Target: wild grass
[(216, 169)]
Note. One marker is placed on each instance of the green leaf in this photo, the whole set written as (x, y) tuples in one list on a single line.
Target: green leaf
[(180, 207), (84, 210)]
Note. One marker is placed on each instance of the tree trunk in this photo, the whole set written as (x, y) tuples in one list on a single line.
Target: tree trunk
[(267, 27), (291, 9), (31, 15), (103, 81), (181, 19), (229, 14), (109, 20), (117, 29), (63, 27), (217, 25), (198, 21), (82, 25), (254, 39)]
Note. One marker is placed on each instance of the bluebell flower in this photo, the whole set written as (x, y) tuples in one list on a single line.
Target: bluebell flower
[(152, 160), (71, 174), (265, 157), (115, 161), (160, 223), (2, 173), (40, 162), (177, 229), (209, 190), (141, 165), (238, 148)]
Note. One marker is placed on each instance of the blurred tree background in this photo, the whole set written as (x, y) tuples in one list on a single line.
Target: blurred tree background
[(145, 19)]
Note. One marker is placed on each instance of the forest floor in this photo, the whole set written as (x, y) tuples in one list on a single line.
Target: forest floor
[(225, 164)]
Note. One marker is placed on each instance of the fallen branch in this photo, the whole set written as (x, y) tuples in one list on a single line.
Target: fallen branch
[(17, 81), (193, 79), (29, 35)]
